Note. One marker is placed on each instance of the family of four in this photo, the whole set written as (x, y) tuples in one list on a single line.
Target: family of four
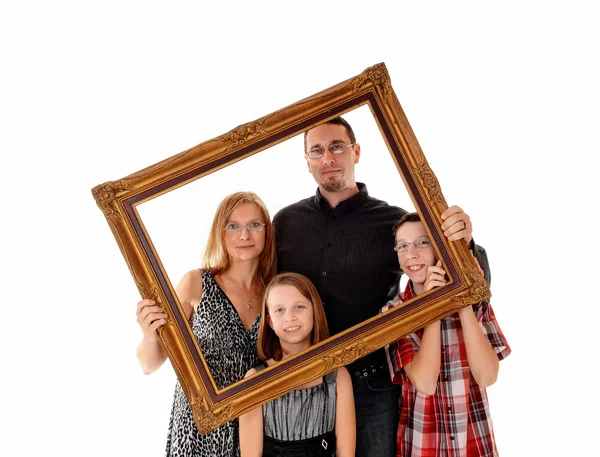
[(339, 255)]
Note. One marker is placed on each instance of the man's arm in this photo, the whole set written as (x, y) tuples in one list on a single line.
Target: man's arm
[(482, 258), (457, 225)]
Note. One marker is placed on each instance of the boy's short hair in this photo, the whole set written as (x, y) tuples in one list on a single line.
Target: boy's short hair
[(408, 217)]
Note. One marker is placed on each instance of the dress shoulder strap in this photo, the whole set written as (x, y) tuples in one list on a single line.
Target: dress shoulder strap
[(261, 366), (207, 277)]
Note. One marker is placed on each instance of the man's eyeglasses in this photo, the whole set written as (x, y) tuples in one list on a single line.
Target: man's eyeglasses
[(252, 227), (334, 148), (419, 243)]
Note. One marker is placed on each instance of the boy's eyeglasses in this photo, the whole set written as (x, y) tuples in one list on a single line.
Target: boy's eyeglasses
[(419, 243)]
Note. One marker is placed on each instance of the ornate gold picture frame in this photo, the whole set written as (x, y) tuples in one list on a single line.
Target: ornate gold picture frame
[(119, 200)]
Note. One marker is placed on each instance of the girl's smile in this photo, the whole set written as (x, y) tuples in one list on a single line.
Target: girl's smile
[(290, 315)]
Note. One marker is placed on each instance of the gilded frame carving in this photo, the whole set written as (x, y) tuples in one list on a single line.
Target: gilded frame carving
[(118, 200)]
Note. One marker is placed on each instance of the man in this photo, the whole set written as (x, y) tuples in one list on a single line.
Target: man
[(342, 240)]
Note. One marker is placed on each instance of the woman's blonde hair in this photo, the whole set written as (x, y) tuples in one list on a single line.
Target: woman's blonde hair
[(215, 256), (268, 341)]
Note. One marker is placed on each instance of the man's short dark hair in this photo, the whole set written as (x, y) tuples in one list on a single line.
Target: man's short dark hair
[(337, 121)]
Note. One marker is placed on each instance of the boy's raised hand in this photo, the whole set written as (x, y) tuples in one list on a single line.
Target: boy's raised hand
[(436, 276)]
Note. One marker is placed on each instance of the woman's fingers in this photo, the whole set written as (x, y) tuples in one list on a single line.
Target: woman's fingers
[(156, 324), (143, 304), (150, 317)]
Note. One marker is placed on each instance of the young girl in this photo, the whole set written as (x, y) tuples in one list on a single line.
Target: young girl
[(318, 418), (445, 367)]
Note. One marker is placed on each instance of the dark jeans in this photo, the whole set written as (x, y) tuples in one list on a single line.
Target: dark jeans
[(377, 413)]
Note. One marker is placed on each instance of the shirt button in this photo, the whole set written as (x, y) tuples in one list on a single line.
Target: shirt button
[(324, 273), (452, 438), (333, 218), (328, 245)]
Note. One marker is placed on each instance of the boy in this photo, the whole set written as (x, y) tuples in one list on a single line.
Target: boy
[(444, 368)]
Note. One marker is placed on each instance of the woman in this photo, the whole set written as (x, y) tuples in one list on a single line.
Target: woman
[(222, 302)]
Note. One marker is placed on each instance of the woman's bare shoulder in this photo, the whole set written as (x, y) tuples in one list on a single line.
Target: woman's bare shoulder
[(189, 290)]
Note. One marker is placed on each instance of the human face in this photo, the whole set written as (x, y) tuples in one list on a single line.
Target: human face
[(245, 245), (290, 317), (414, 262), (333, 173)]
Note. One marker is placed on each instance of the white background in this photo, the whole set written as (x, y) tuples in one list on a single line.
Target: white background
[(503, 99)]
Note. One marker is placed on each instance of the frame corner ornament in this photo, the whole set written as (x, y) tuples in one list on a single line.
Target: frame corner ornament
[(106, 196), (479, 290), (206, 419), (376, 75)]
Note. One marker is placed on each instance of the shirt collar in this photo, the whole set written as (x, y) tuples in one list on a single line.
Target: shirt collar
[(349, 205), (408, 292)]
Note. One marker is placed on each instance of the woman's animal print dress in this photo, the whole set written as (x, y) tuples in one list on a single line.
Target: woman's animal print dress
[(230, 352)]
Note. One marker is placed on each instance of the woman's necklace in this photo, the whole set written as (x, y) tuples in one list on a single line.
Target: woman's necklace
[(248, 299), (248, 302)]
